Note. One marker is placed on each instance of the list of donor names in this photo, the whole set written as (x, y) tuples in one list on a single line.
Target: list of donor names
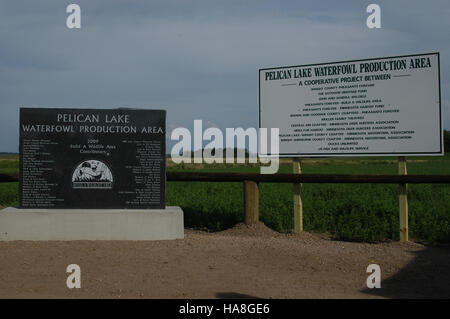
[(343, 117), (146, 171), (37, 165)]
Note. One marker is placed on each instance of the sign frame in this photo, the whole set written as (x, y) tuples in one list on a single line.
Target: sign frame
[(68, 167), (358, 154)]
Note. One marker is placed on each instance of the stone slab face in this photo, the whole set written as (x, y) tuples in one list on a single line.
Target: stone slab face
[(95, 224), (92, 158)]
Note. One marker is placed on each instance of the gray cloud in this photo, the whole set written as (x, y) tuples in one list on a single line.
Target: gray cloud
[(197, 59)]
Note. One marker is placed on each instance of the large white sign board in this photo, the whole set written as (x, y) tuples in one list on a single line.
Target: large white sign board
[(372, 107)]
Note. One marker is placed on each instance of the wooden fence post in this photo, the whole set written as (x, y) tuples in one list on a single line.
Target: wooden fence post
[(403, 200), (251, 202), (298, 204)]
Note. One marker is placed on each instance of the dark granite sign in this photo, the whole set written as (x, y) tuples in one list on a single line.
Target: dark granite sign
[(92, 158)]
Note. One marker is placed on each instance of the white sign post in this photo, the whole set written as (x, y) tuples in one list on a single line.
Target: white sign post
[(376, 107)]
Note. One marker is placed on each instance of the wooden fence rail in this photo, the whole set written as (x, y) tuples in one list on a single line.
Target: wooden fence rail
[(305, 178), (8, 178)]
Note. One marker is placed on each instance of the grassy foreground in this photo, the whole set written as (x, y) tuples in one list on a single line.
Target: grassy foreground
[(355, 212)]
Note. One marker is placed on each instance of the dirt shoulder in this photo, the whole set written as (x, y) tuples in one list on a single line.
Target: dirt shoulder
[(238, 263)]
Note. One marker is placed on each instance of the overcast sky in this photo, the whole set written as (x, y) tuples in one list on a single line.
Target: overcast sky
[(196, 59)]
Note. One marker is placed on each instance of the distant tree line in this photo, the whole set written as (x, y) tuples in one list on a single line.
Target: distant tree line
[(213, 151), (8, 153)]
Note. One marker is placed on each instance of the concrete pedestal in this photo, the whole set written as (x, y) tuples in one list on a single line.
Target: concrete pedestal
[(91, 224)]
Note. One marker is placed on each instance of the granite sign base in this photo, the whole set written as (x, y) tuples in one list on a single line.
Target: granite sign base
[(91, 224)]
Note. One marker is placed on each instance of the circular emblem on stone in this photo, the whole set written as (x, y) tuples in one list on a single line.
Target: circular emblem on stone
[(92, 174)]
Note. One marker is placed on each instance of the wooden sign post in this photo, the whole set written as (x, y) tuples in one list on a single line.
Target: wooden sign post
[(298, 204), (251, 202), (403, 200)]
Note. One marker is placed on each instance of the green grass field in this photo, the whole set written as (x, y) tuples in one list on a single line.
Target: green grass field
[(354, 212)]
